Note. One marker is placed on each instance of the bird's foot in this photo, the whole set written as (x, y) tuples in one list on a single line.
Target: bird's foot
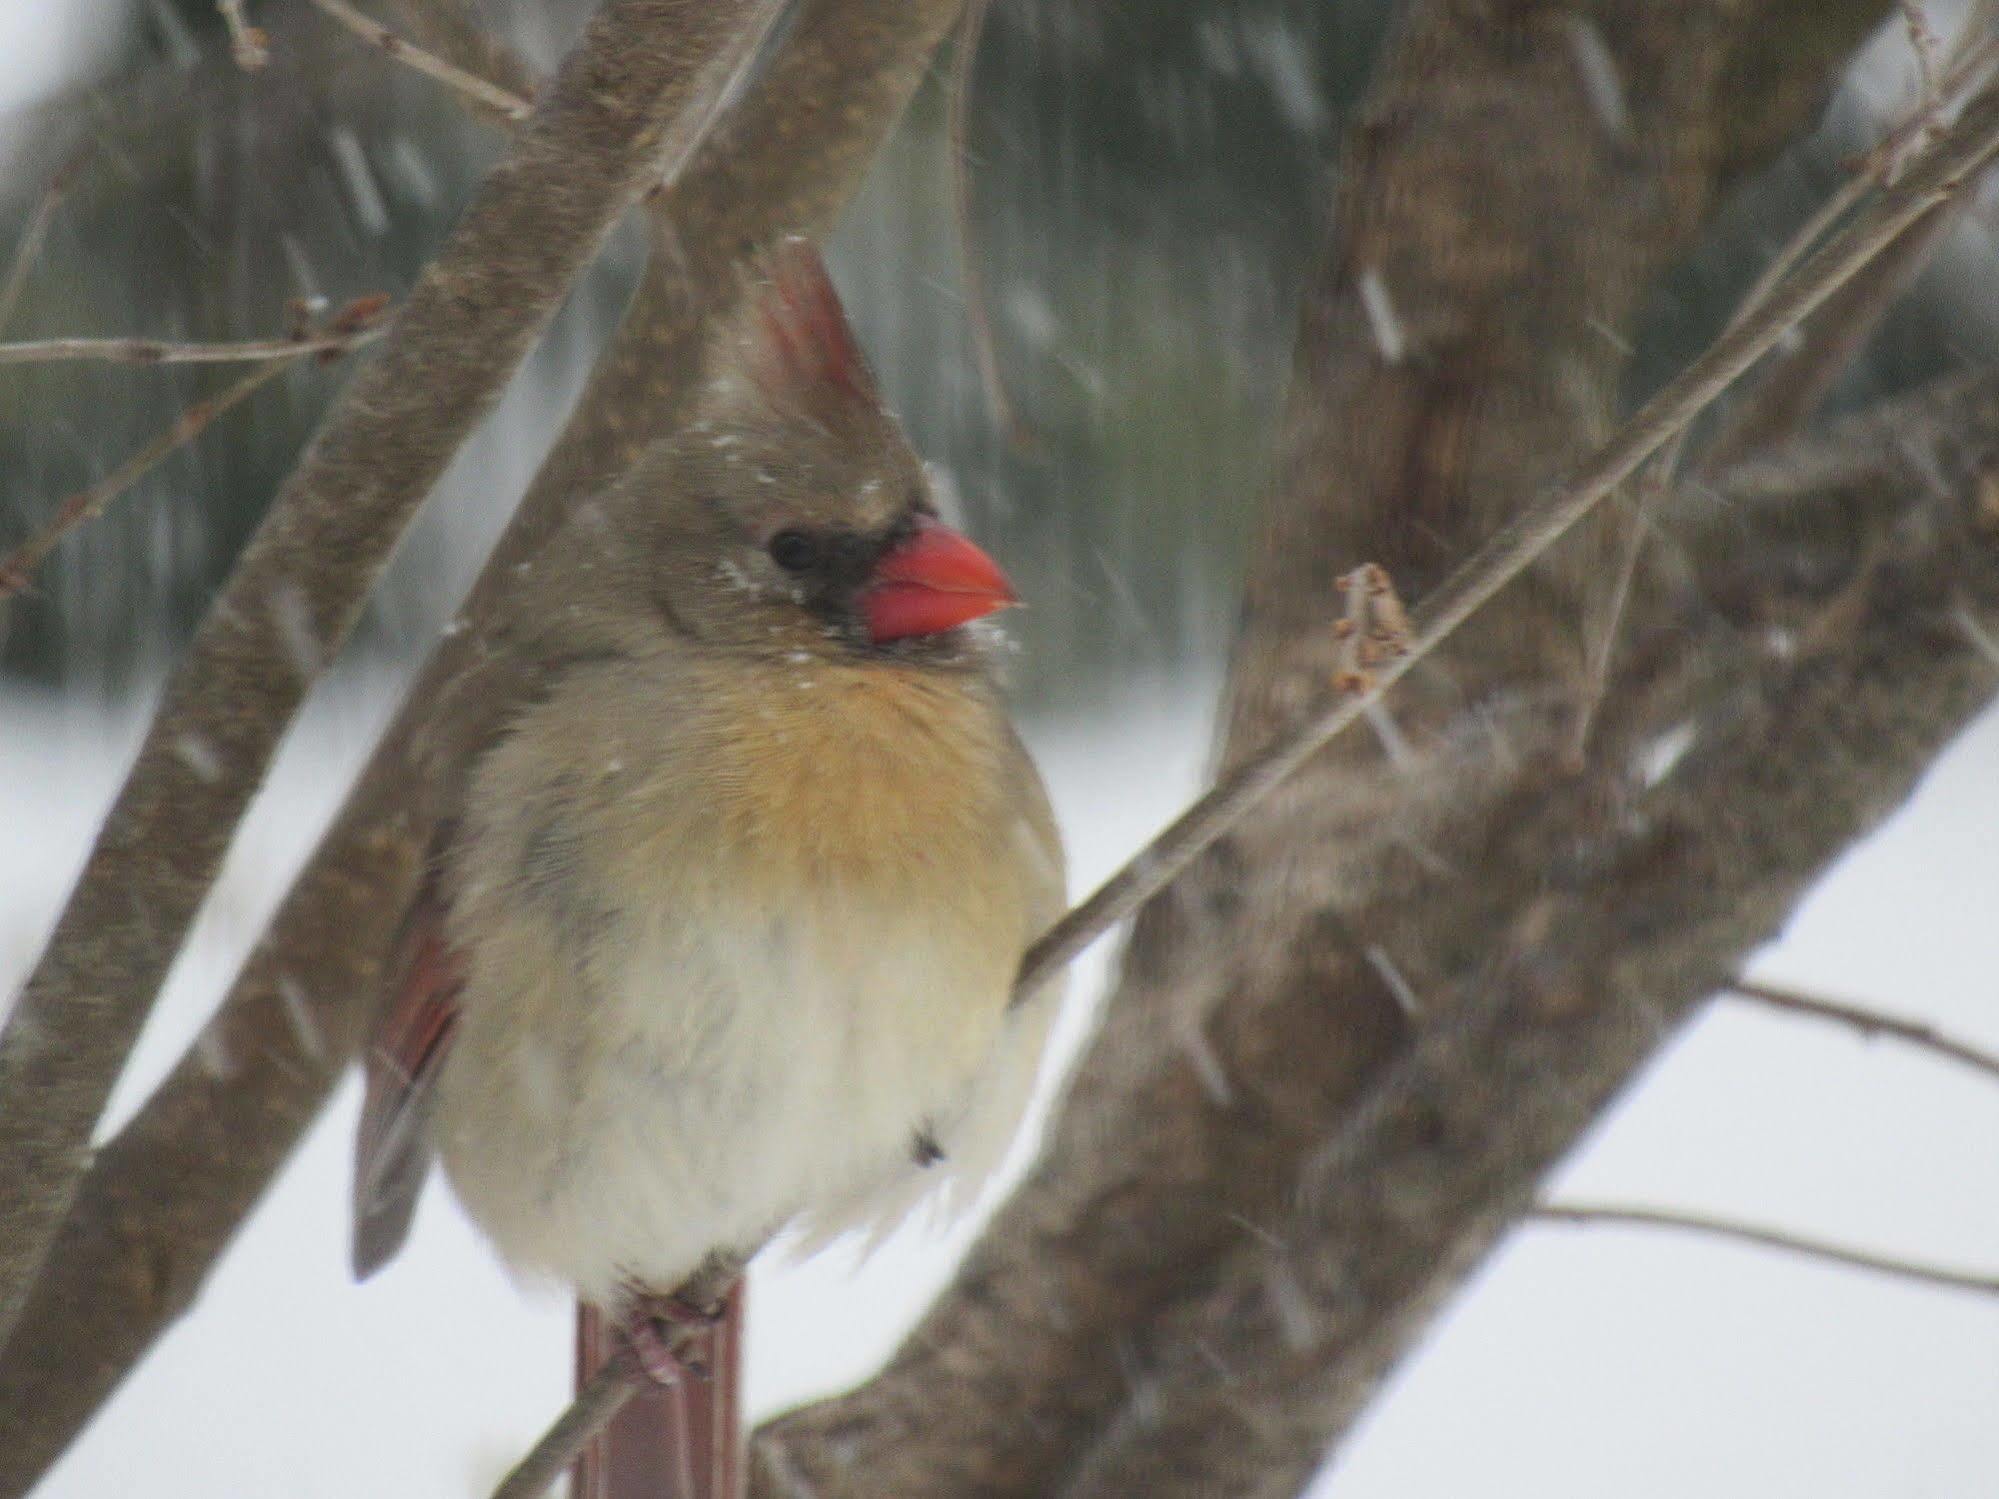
[(665, 1331)]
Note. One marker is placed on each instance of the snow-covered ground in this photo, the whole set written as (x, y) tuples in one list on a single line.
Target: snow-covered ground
[(1581, 1361)]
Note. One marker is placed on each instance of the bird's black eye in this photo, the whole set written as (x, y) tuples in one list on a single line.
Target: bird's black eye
[(794, 551)]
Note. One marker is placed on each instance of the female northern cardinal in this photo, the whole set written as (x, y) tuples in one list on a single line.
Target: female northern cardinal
[(724, 936)]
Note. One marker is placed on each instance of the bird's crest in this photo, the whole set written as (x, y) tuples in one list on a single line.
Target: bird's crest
[(801, 349)]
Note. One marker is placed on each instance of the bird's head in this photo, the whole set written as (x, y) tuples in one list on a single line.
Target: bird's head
[(801, 519)]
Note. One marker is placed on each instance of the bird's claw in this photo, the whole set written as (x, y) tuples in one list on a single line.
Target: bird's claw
[(650, 1324)]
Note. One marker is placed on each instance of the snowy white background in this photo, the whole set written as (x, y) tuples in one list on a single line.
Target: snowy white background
[(1580, 1361)]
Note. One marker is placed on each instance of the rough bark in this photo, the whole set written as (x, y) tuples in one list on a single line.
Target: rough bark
[(1507, 225), (166, 1196), (1836, 651), (578, 163)]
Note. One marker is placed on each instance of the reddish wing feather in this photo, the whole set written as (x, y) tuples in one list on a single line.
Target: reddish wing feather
[(392, 1149)]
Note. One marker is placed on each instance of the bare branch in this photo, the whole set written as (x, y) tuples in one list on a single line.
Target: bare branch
[(153, 351), (579, 163), (1799, 376), (1712, 1226), (167, 1194), (455, 31), (247, 44), (1933, 178), (971, 264), (1923, 43), (508, 107), (1867, 1022), (29, 247), (355, 326), (87, 503), (607, 1392)]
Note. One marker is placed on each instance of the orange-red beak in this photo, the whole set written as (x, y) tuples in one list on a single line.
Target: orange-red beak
[(933, 582)]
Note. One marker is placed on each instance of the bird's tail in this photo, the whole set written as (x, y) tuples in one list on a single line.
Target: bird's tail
[(683, 1441)]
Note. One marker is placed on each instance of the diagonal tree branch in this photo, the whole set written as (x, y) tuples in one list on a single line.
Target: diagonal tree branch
[(353, 327), (1591, 1214), (486, 97), (468, 322), (455, 31), (1558, 995), (1868, 1022), (167, 1195), (29, 247)]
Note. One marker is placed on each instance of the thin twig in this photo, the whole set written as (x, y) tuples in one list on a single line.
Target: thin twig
[(247, 44), (722, 84), (612, 1387), (971, 267), (1601, 649), (455, 31), (1798, 378), (489, 96), (1923, 43), (1867, 1022), (87, 503), (608, 1391), (1938, 172), (30, 245), (1768, 1238), (153, 351), (352, 326), (1964, 73)]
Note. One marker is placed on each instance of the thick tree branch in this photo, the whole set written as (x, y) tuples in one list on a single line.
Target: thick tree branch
[(470, 319), (168, 1193), (1557, 994)]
